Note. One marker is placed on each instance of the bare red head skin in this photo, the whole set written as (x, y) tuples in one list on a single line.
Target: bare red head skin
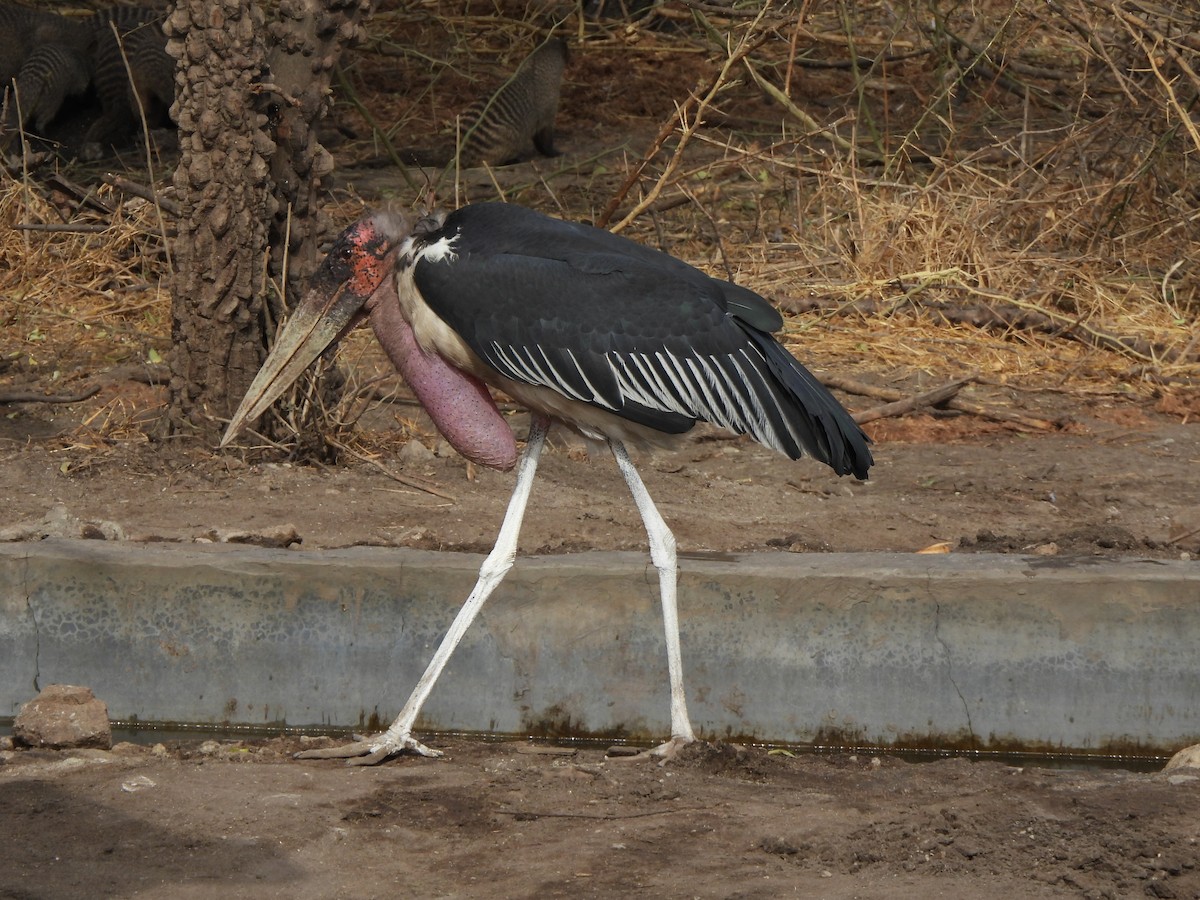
[(355, 282), (362, 258)]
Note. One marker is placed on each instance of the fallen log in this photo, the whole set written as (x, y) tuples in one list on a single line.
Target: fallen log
[(853, 386), (911, 404), (35, 397)]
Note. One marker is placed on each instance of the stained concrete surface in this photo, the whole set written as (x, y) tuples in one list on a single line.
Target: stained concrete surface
[(961, 649)]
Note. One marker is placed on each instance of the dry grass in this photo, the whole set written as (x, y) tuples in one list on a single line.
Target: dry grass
[(1037, 156), (1033, 157), (74, 301)]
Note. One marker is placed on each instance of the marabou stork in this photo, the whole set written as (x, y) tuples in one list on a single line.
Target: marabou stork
[(615, 340)]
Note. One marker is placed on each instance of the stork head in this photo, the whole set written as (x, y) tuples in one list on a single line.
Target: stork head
[(360, 260)]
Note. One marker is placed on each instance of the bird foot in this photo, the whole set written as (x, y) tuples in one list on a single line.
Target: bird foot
[(663, 753), (371, 751)]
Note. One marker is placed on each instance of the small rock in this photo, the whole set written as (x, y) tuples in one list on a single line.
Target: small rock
[(939, 547), (277, 536), (137, 783), (412, 537), (63, 716), (968, 849), (316, 742), (153, 537), (102, 530), (208, 748), (1187, 758), (414, 451), (6, 743), (92, 754), (70, 764), (57, 522), (1161, 890), (778, 846), (160, 751)]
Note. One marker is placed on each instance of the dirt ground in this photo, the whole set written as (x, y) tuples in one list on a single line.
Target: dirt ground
[(1119, 478), (520, 820)]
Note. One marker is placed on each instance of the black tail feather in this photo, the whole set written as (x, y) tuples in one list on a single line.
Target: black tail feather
[(836, 438)]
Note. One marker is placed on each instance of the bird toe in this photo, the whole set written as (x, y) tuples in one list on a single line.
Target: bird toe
[(669, 750), (371, 751), (662, 754), (345, 751)]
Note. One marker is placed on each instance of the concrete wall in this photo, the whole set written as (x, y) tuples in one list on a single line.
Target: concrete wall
[(997, 650)]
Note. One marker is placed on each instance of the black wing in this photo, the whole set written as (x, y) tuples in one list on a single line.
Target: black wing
[(500, 228), (608, 322)]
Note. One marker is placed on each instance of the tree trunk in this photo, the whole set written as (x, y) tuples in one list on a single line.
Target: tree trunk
[(308, 39), (247, 116), (223, 183)]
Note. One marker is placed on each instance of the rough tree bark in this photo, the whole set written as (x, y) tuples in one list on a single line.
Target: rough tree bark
[(248, 100), (307, 40)]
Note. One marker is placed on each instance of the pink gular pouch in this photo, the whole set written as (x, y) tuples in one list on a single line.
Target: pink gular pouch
[(459, 404)]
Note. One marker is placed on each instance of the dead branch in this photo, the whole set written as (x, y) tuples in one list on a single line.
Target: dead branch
[(702, 98), (1183, 537), (732, 12), (631, 179), (1137, 26), (67, 228), (406, 480), (853, 386), (808, 121), (910, 404), (859, 388), (83, 196), (1097, 45), (153, 374), (35, 397), (982, 64), (145, 193), (865, 63)]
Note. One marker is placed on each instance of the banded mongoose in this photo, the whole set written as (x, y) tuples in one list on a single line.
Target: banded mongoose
[(511, 124), (23, 29), (139, 32), (44, 76), (50, 74), (518, 119)]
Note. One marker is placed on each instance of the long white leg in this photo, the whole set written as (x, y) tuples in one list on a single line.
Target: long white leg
[(399, 736), (662, 554)]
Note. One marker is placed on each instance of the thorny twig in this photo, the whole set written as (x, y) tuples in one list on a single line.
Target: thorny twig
[(702, 98)]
